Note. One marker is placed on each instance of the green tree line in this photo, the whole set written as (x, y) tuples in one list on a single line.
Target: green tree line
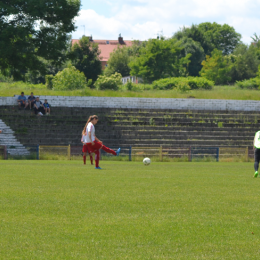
[(35, 41)]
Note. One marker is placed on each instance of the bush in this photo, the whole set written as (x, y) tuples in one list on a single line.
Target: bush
[(144, 86), (183, 87), (129, 85), (135, 87), (182, 83), (4, 78), (48, 80), (112, 82), (69, 79), (253, 83)]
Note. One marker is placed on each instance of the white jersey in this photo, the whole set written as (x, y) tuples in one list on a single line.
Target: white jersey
[(90, 128), (84, 139), (257, 140)]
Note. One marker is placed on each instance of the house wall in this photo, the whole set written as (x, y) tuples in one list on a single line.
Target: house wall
[(103, 63)]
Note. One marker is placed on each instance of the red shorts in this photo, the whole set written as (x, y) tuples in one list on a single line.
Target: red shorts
[(85, 149), (93, 148)]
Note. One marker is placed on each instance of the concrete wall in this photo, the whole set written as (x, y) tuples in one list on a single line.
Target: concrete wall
[(145, 103)]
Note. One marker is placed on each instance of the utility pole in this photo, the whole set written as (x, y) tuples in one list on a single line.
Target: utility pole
[(159, 34)]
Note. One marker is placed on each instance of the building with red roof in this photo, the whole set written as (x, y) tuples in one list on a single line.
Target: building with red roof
[(107, 46)]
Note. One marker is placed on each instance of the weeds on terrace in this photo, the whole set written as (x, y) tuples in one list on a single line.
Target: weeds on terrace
[(133, 120), (151, 121), (204, 159), (31, 156), (22, 130), (53, 156), (220, 124), (119, 111), (241, 158), (168, 119)]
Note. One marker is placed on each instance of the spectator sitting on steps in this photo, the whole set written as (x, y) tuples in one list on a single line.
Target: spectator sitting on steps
[(47, 107), (38, 107), (0, 131), (22, 101), (31, 100)]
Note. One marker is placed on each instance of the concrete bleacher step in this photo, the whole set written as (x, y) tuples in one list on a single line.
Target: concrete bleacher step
[(135, 127), (8, 139)]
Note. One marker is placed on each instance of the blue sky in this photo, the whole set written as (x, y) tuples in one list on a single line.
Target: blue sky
[(144, 19)]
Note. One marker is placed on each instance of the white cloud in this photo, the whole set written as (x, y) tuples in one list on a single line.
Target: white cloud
[(142, 19), (101, 27), (247, 26)]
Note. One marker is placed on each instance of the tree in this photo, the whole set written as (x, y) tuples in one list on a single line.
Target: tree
[(32, 29), (160, 59), (50, 68), (197, 55), (255, 38), (245, 61), (212, 36), (85, 57), (121, 57), (216, 68), (118, 62)]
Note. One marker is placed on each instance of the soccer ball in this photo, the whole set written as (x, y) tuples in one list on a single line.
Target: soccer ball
[(146, 161)]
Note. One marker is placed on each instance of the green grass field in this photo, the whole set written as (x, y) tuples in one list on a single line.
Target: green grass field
[(64, 210), (218, 92)]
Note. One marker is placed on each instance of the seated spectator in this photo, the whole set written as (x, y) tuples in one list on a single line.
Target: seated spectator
[(47, 107), (0, 131), (22, 101), (31, 100), (38, 107)]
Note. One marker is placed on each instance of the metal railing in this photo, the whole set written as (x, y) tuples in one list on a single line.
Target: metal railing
[(128, 153)]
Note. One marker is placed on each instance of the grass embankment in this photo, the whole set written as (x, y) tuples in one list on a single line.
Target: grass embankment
[(218, 92), (64, 210)]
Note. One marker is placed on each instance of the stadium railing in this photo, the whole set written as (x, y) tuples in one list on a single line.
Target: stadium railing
[(204, 153), (3, 154), (128, 153), (54, 152), (22, 152)]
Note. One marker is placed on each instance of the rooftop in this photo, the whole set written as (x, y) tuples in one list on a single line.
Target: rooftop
[(107, 46)]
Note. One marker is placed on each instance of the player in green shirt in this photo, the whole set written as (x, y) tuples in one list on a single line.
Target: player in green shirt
[(257, 152)]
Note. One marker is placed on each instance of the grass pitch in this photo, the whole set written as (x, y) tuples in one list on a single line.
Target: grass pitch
[(64, 210)]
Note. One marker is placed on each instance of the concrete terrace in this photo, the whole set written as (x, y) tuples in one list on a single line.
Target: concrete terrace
[(139, 122)]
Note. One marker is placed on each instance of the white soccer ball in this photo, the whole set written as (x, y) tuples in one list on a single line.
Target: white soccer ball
[(146, 161)]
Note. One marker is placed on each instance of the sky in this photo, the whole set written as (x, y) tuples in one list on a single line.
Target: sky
[(145, 19)]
